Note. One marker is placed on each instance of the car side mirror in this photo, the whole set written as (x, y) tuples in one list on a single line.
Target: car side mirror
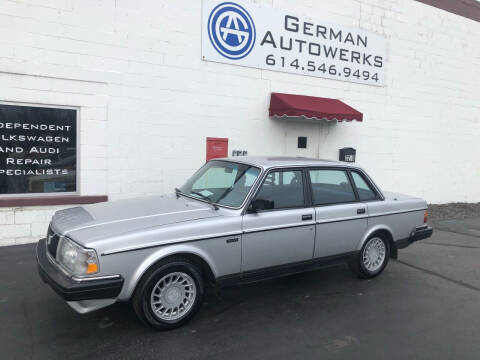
[(260, 204)]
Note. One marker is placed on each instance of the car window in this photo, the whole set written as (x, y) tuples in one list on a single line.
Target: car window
[(222, 182), (330, 187), (365, 192), (216, 177), (283, 188)]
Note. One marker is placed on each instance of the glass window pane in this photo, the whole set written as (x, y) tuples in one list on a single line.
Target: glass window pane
[(365, 193), (215, 177), (38, 149), (236, 193), (222, 182), (284, 188), (330, 187)]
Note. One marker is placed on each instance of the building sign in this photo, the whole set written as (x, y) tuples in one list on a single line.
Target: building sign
[(38, 150), (243, 34)]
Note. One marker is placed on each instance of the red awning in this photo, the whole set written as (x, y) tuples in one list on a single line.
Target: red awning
[(289, 105)]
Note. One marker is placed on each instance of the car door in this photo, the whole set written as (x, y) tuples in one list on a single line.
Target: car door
[(285, 233), (341, 219)]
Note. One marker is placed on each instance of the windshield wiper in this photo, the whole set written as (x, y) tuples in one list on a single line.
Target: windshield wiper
[(229, 190), (206, 198), (225, 193)]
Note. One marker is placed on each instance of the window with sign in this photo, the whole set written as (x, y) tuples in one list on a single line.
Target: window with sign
[(38, 150)]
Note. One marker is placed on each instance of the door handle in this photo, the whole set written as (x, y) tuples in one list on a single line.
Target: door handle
[(361, 211), (307, 217)]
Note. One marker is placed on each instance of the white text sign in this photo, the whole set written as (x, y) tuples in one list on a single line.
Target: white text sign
[(243, 34)]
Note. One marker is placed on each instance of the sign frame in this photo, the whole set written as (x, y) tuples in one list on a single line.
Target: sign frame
[(77, 152), (315, 47)]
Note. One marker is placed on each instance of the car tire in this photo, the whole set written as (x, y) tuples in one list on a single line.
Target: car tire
[(169, 294), (372, 258)]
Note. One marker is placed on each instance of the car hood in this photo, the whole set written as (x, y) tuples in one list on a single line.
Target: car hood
[(116, 217)]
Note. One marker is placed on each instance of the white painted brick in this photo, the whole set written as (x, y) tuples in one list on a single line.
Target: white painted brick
[(12, 231), (24, 240), (7, 241), (7, 217), (94, 182), (94, 113), (37, 218), (94, 163), (94, 151), (39, 229), (93, 132), (29, 215)]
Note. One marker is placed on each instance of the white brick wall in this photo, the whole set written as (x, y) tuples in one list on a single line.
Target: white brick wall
[(21, 225), (147, 101)]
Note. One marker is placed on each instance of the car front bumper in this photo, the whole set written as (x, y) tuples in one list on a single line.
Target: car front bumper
[(72, 290), (420, 233)]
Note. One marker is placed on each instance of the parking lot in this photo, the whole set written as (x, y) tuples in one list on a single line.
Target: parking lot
[(426, 305)]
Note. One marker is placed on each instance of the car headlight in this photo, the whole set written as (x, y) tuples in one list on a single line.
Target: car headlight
[(76, 259)]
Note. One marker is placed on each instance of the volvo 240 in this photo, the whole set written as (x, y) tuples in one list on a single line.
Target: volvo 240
[(234, 220)]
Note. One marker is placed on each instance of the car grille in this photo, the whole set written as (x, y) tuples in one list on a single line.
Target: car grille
[(52, 242)]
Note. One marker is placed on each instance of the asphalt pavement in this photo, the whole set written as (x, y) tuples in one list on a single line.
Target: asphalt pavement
[(426, 305)]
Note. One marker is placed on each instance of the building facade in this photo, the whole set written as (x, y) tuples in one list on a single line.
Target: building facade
[(146, 86)]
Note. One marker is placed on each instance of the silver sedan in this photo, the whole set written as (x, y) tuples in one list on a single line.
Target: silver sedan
[(235, 220)]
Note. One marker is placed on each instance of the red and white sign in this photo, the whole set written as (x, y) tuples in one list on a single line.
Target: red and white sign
[(217, 148)]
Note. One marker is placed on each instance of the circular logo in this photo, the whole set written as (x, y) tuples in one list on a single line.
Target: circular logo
[(231, 30)]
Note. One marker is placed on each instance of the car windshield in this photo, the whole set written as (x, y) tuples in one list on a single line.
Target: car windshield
[(222, 182)]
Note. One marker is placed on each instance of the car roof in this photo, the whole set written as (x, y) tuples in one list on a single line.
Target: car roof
[(267, 162)]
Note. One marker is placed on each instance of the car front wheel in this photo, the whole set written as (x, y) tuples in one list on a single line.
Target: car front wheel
[(372, 258), (169, 295)]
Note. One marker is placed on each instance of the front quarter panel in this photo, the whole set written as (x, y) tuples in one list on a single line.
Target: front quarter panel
[(205, 238)]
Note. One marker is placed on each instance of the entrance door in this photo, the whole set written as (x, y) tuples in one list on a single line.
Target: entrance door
[(286, 232)]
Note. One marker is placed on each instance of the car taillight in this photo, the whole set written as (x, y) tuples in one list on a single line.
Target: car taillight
[(425, 216)]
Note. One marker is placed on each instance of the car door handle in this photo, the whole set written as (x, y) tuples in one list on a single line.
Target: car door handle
[(307, 217), (361, 211)]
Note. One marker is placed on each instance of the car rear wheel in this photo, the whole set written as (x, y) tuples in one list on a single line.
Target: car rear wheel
[(372, 258), (169, 294)]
